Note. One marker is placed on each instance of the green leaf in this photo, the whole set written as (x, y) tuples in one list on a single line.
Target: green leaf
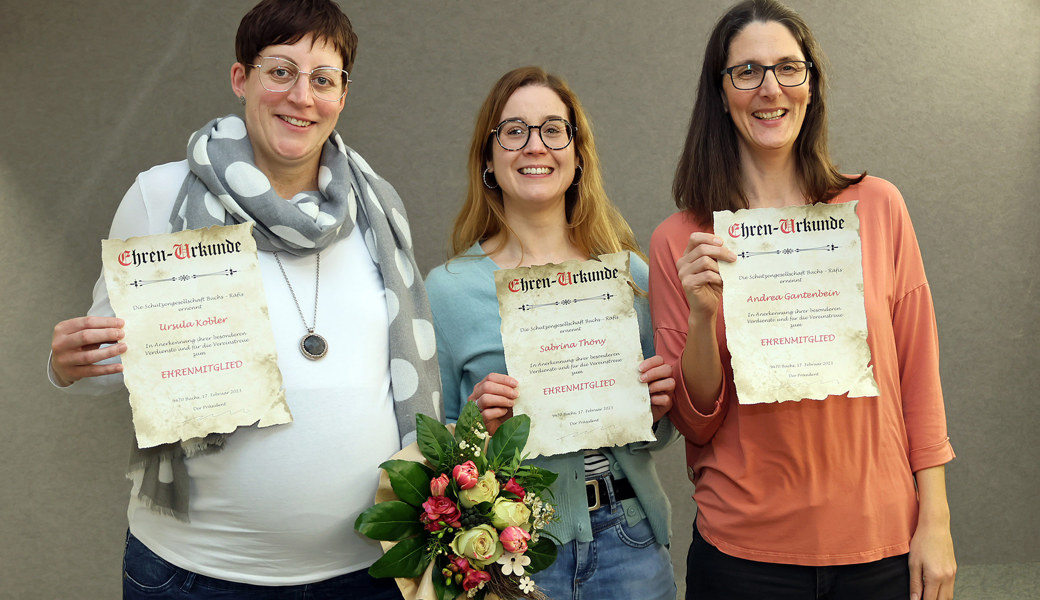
[(537, 478), (469, 420), (509, 439), (542, 554), (405, 559), (470, 429), (433, 438), (410, 480), (389, 521)]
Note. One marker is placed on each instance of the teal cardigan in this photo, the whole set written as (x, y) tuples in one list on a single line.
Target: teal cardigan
[(469, 346)]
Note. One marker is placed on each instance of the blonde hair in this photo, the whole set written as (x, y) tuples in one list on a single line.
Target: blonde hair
[(595, 224)]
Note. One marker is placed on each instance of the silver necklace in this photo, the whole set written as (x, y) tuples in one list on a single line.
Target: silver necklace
[(312, 345)]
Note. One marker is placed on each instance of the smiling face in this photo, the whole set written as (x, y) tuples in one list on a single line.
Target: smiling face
[(769, 118), (287, 129), (534, 177)]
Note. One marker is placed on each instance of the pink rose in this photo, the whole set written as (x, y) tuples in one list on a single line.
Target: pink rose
[(459, 564), (438, 485), (440, 512), (474, 578), (514, 539), (514, 488), (465, 475)]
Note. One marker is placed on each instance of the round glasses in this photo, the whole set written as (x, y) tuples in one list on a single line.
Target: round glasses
[(280, 75), (790, 73), (513, 134)]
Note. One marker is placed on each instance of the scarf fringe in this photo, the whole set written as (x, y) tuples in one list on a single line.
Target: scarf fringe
[(165, 511), (205, 445)]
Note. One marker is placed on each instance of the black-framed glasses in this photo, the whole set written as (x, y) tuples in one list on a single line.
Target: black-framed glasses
[(790, 73), (280, 75), (513, 134)]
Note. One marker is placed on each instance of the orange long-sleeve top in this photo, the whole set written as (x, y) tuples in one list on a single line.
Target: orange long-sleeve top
[(817, 482)]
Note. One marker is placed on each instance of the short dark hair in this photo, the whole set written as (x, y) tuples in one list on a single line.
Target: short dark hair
[(708, 177), (287, 21)]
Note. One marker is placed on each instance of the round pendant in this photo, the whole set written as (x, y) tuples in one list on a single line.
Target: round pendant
[(313, 346)]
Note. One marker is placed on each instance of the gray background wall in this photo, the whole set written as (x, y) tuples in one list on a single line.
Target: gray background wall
[(942, 98)]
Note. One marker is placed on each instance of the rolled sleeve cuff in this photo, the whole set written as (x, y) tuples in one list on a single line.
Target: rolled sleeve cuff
[(697, 427), (931, 456)]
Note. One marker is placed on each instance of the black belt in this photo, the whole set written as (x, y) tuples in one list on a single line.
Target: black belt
[(596, 491)]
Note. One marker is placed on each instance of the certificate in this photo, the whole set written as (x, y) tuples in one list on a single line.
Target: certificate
[(200, 353), (796, 326), (571, 338)]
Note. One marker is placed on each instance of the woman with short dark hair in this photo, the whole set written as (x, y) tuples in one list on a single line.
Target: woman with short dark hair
[(269, 513)]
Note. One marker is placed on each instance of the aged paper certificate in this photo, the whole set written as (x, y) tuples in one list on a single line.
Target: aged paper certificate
[(795, 321), (571, 338), (200, 353)]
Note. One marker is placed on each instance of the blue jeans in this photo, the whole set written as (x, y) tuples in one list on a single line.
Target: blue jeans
[(713, 575), (146, 576), (621, 562)]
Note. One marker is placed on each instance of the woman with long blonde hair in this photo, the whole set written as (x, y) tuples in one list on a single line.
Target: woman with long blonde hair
[(536, 196)]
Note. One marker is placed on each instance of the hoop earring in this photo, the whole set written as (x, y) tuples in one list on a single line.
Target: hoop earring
[(484, 178), (577, 179)]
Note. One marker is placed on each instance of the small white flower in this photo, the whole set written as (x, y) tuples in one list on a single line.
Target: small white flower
[(513, 564), (526, 584)]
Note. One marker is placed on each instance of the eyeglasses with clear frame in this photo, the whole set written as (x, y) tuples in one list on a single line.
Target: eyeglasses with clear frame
[(280, 75), (790, 73), (513, 134)]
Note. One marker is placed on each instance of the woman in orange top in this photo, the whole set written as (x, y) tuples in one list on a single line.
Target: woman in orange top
[(840, 498)]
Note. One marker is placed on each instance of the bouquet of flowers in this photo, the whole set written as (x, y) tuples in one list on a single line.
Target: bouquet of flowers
[(471, 515)]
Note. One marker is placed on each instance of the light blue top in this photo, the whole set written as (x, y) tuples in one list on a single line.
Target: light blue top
[(469, 346)]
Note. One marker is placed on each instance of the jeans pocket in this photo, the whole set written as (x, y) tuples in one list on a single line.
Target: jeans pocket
[(144, 570), (639, 535)]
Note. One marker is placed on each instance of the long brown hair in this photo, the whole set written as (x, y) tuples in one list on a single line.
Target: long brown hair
[(708, 177), (596, 226)]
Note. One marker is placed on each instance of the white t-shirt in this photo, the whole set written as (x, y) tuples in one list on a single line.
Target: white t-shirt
[(277, 505)]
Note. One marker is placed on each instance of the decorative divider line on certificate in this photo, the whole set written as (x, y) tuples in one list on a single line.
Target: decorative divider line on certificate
[(751, 254), (566, 301), (181, 278)]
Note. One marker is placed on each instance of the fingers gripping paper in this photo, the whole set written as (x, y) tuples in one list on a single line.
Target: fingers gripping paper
[(571, 338)]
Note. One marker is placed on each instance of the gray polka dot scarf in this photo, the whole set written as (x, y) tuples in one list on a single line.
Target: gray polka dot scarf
[(226, 188)]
